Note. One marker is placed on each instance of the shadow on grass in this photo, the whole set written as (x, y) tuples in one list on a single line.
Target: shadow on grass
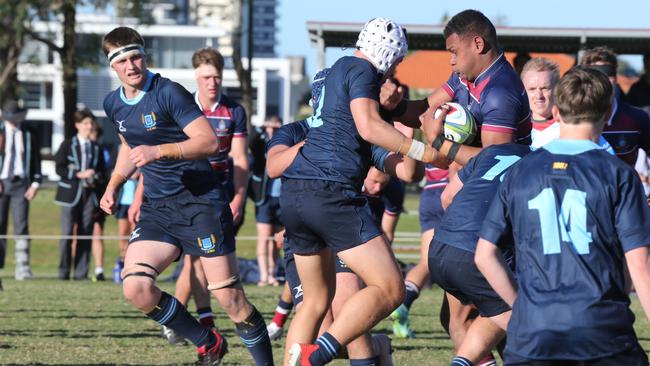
[(415, 347)]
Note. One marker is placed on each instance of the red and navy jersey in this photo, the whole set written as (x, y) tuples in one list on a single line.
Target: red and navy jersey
[(334, 150), (435, 177), (481, 178), (573, 211), (228, 120), (158, 115), (627, 131), (497, 99)]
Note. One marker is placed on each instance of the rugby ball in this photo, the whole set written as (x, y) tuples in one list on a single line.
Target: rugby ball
[(460, 125)]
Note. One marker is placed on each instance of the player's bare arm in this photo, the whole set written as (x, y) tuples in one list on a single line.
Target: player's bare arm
[(452, 151), (374, 129), (239, 155), (490, 262), (639, 266), (452, 188), (279, 157), (201, 142), (404, 168)]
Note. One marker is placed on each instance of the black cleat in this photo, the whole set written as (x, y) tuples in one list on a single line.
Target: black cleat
[(213, 356)]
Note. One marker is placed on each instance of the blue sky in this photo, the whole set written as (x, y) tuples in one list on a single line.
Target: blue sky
[(293, 15)]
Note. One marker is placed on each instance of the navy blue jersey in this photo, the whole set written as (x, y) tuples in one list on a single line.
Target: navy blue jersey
[(481, 178), (334, 150), (497, 99), (574, 210), (157, 116), (292, 133)]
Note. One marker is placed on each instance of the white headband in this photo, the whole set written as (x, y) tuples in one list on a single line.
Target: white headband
[(124, 52)]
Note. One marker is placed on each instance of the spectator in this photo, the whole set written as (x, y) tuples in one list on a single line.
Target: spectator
[(628, 128), (99, 217), (540, 76), (80, 165), (20, 174), (639, 94)]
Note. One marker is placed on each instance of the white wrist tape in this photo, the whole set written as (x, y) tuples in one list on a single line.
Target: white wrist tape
[(416, 151)]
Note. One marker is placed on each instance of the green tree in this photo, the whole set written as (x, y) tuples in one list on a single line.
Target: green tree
[(14, 19)]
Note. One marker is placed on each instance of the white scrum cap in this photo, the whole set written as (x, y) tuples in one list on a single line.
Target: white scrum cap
[(383, 41)]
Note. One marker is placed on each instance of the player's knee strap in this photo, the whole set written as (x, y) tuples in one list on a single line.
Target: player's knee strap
[(141, 270), (229, 282)]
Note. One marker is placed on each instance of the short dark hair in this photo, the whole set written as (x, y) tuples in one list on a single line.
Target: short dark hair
[(471, 23), (121, 36), (208, 55), (584, 95), (82, 114), (599, 54)]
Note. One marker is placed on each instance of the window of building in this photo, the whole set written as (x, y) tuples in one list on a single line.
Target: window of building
[(37, 95)]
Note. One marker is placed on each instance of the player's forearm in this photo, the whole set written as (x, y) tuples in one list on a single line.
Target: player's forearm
[(197, 147), (639, 266), (138, 195), (124, 168), (490, 262), (240, 180), (453, 151), (279, 158), (410, 170)]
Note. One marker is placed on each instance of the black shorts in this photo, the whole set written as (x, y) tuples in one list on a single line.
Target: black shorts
[(631, 357), (196, 225), (431, 210), (393, 195), (269, 212), (454, 271), (291, 274), (122, 211), (318, 213)]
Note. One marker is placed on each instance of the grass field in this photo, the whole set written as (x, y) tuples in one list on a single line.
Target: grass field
[(49, 322)]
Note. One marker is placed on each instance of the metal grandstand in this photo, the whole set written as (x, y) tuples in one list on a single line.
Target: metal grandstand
[(516, 39)]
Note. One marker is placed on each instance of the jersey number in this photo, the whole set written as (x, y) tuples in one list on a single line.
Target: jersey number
[(572, 216), (505, 161), (315, 120)]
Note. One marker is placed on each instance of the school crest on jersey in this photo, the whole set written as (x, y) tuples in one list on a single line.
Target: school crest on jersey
[(149, 121), (208, 244)]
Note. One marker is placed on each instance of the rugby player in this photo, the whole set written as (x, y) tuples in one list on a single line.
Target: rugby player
[(578, 217), (185, 207)]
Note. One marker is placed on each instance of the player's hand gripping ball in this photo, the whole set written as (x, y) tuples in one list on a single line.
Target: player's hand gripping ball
[(460, 125)]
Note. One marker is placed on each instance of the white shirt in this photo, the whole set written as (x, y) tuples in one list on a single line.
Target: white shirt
[(82, 144), (19, 166)]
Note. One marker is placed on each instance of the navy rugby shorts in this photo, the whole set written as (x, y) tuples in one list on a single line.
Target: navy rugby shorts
[(319, 213), (453, 269), (197, 225), (431, 210)]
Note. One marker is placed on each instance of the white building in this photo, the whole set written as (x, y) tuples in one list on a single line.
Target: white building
[(278, 83)]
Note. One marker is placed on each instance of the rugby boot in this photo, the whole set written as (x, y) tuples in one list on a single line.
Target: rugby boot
[(212, 356), (401, 324), (299, 354), (487, 361), (275, 331)]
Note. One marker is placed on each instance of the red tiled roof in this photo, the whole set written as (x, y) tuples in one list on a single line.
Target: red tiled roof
[(430, 69)]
